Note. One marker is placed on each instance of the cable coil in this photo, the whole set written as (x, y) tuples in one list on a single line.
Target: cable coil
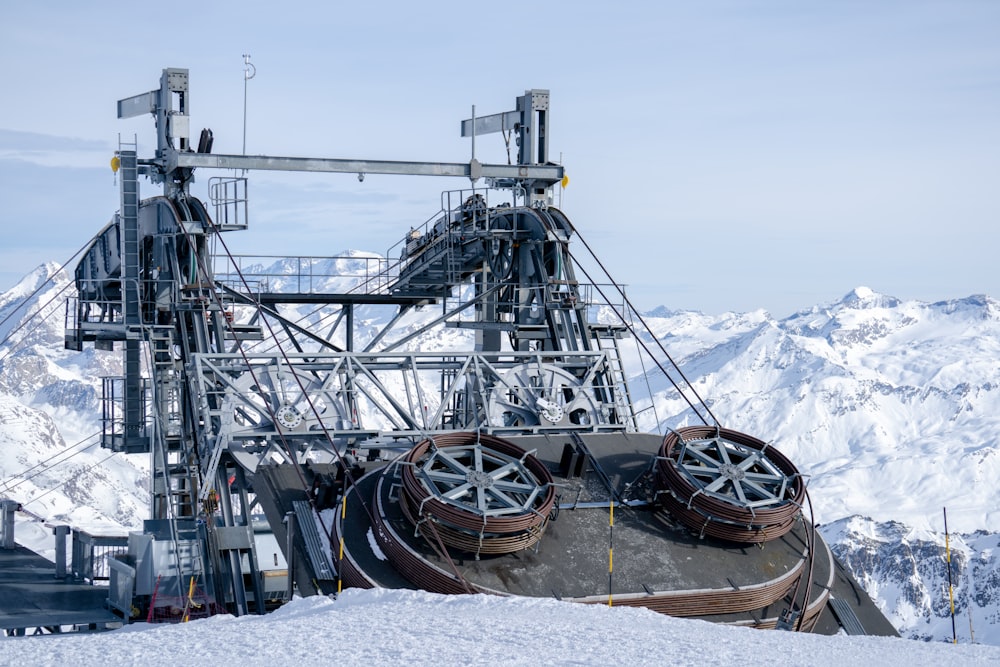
[(728, 485), (484, 494)]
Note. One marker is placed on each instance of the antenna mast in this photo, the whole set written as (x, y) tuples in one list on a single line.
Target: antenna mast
[(249, 72)]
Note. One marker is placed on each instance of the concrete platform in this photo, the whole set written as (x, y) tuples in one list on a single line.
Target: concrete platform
[(653, 555)]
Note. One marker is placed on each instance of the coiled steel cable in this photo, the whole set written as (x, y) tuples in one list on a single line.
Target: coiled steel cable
[(459, 524), (412, 565), (708, 513), (709, 602)]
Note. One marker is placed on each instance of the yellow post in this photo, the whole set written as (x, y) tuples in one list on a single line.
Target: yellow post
[(189, 603), (340, 557), (611, 546), (951, 589)]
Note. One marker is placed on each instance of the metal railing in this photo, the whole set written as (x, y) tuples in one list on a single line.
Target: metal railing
[(113, 427), (300, 275), (229, 197), (93, 553)]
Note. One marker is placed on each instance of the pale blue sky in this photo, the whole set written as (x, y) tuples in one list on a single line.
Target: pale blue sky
[(722, 155)]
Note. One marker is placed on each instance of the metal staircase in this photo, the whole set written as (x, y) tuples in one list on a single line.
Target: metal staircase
[(607, 340)]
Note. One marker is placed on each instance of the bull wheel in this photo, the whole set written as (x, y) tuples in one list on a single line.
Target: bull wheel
[(542, 395)]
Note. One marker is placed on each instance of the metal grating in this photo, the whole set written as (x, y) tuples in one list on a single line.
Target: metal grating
[(846, 616), (318, 556)]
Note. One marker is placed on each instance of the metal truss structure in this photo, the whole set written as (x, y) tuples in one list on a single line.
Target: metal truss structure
[(252, 399), (442, 397), (223, 374)]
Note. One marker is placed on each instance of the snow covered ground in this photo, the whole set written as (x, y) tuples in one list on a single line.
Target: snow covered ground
[(385, 627)]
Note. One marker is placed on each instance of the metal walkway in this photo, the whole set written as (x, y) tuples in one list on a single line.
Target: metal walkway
[(34, 600)]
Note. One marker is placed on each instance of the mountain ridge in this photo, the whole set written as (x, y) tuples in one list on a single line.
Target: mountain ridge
[(887, 405)]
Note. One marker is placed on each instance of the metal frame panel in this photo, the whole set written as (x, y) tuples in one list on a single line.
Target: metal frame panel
[(264, 403)]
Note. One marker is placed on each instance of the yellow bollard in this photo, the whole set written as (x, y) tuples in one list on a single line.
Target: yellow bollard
[(340, 558), (611, 546)]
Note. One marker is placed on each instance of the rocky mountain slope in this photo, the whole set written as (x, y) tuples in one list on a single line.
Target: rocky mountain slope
[(49, 416)]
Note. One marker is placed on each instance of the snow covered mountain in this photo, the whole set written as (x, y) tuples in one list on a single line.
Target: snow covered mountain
[(49, 416), (905, 571), (892, 408)]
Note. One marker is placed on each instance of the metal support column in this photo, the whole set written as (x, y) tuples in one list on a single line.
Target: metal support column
[(255, 575), (134, 417), (60, 532), (7, 509), (289, 522), (233, 555)]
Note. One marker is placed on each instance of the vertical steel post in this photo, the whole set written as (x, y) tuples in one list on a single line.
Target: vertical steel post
[(247, 518), (7, 509), (340, 553), (611, 545), (60, 531), (289, 549), (224, 494), (951, 589)]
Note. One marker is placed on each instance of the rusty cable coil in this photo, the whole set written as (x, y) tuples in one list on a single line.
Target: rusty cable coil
[(413, 566), (485, 495), (709, 601), (705, 602), (745, 599), (490, 543), (728, 485)]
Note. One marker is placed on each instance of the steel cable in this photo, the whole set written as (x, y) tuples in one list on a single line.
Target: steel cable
[(473, 530), (709, 513), (39, 288), (635, 311), (7, 485)]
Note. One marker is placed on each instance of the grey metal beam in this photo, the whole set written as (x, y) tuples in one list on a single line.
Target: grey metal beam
[(473, 169), (342, 298), (138, 104), (498, 122)]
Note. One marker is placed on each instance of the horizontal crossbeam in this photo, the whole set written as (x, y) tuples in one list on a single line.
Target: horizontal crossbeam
[(473, 170)]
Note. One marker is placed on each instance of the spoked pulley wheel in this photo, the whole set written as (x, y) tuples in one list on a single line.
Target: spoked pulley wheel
[(728, 484), (542, 395), (484, 494), (500, 248)]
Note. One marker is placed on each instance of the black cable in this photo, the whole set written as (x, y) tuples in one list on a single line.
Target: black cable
[(275, 343), (635, 311), (7, 483), (639, 340), (811, 536), (326, 433), (31, 317), (44, 283), (291, 454), (66, 481)]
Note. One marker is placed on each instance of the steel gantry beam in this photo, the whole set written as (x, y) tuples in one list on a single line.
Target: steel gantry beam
[(473, 170), (533, 170)]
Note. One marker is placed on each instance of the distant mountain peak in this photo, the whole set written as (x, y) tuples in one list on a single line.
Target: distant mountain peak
[(661, 311), (865, 297), (33, 280)]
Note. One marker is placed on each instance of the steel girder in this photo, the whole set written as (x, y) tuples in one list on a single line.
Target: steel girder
[(292, 405)]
